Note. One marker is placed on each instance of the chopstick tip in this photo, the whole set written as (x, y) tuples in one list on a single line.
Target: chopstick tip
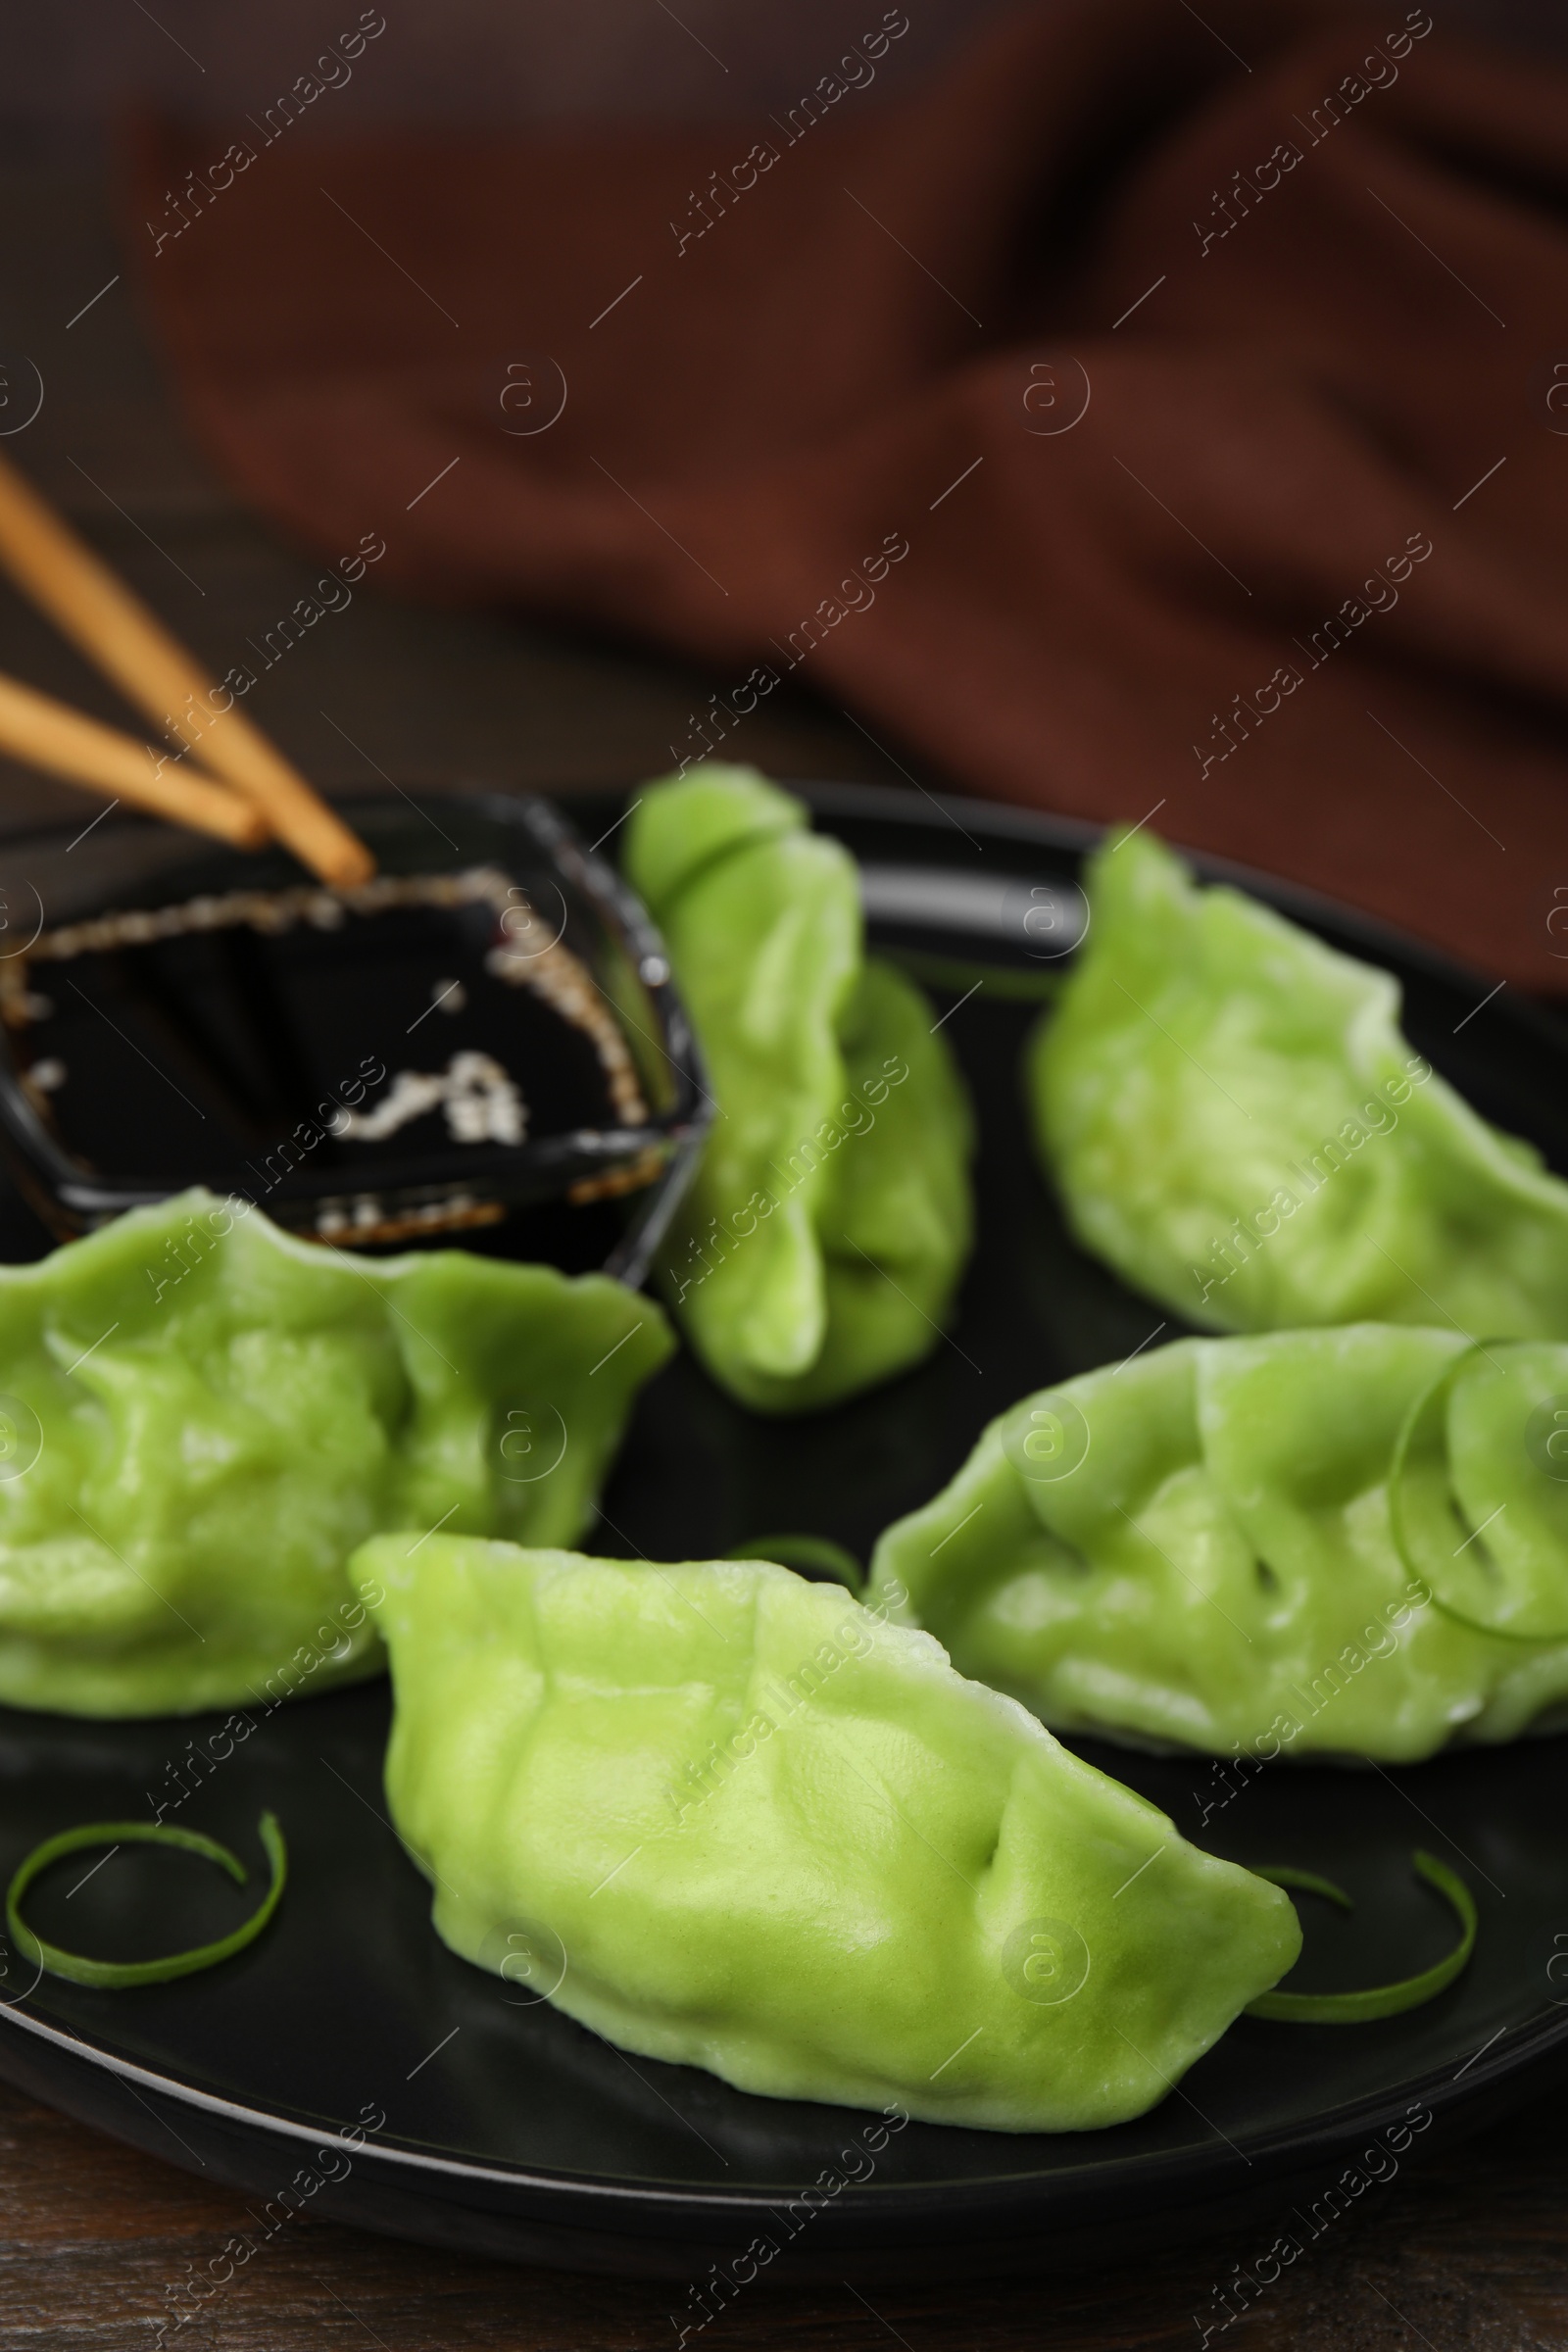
[(347, 867)]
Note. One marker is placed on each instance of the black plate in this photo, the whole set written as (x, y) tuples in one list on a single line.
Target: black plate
[(499, 2126)]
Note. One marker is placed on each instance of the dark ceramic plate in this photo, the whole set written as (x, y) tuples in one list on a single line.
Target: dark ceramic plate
[(494, 2124)]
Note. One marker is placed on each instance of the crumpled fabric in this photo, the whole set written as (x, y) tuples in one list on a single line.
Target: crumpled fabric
[(1157, 411)]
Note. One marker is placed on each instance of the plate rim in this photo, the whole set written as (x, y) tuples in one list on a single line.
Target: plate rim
[(1287, 2150)]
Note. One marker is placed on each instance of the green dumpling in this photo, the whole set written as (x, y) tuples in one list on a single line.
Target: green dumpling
[(1195, 1547), (819, 1247), (201, 1417), (1237, 1125), (742, 1823)]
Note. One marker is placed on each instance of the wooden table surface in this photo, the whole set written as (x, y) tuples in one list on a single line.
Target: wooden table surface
[(1469, 2251)]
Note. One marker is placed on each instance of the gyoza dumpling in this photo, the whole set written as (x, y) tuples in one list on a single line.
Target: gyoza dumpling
[(1195, 1547), (1237, 1125), (819, 1247), (201, 1417), (763, 1832)]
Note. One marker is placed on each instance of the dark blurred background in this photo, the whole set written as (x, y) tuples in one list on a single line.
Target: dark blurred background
[(389, 686), (457, 60)]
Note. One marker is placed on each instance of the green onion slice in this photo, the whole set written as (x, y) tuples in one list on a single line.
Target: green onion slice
[(1310, 1884), (1380, 2000), (117, 1973), (1421, 1502), (803, 1552), (956, 971)]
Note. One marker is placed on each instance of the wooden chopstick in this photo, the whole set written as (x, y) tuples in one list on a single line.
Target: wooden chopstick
[(87, 601), (47, 734)]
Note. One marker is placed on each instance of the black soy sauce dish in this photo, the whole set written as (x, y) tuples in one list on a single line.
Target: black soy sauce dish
[(482, 1044)]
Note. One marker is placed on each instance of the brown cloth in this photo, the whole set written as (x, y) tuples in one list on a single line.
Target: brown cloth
[(1155, 416)]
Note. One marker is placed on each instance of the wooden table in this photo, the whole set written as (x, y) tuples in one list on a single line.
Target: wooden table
[(1471, 2252)]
